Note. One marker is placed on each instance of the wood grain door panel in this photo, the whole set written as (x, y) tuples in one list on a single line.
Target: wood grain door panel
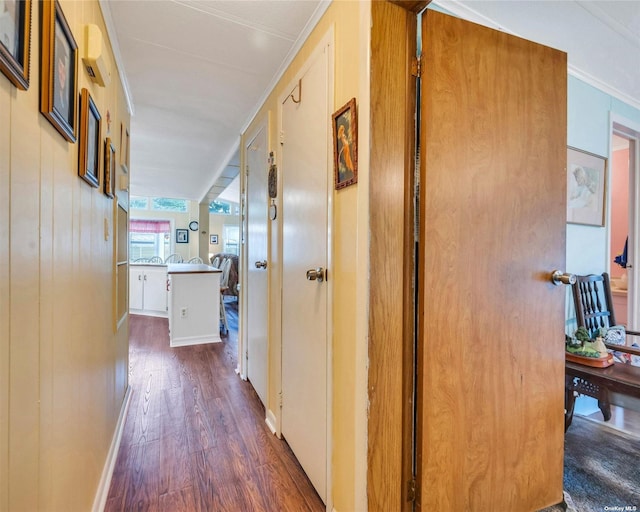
[(492, 227)]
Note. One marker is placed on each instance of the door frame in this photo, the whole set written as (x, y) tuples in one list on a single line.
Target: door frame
[(631, 131), (275, 419), (243, 342)]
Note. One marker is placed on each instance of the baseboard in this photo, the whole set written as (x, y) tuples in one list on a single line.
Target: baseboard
[(193, 340), (107, 472), (271, 422)]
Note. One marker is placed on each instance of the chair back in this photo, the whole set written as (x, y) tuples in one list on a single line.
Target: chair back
[(224, 278), (195, 259), (141, 260), (593, 302), (215, 262), (155, 259), (173, 258)]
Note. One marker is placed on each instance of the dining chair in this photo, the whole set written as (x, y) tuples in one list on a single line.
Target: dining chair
[(224, 285), (195, 259), (173, 258), (155, 259)]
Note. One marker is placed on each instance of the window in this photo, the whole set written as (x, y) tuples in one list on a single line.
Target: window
[(231, 237), (167, 204), (139, 203), (149, 238), (220, 207)]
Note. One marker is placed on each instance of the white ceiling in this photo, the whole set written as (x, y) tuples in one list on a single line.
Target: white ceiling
[(198, 70)]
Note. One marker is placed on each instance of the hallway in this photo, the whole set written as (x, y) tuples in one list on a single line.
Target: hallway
[(195, 437)]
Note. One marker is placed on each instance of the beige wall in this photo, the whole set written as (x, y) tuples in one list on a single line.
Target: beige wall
[(63, 368), (178, 221), (349, 266), (216, 227)]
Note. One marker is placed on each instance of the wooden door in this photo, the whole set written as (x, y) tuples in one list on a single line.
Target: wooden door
[(492, 229), (257, 299), (305, 168)]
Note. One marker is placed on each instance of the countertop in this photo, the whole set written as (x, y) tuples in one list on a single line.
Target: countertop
[(191, 268)]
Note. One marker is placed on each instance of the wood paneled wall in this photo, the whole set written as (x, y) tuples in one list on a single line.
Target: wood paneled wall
[(63, 369)]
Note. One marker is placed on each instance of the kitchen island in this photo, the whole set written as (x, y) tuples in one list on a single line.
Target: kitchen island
[(194, 304)]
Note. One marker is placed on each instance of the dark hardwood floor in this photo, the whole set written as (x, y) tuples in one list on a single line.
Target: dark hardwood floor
[(195, 437)]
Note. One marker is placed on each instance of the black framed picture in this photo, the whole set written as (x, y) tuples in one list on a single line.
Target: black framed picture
[(182, 236), (59, 84), (89, 151), (15, 41)]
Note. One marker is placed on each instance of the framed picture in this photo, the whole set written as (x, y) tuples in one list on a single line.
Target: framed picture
[(59, 67), (345, 145), (124, 148), (213, 239), (89, 151), (182, 236), (15, 41), (586, 179), (109, 168)]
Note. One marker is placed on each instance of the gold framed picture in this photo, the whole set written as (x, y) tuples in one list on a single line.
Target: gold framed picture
[(109, 183), (345, 145), (15, 41), (59, 64), (89, 150)]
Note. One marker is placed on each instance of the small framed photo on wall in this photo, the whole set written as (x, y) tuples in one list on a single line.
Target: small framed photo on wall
[(586, 191), (89, 151), (15, 41), (213, 239), (182, 236), (345, 145)]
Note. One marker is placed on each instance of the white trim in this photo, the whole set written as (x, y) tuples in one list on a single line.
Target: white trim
[(194, 340), (271, 422), (117, 56), (100, 499), (145, 312)]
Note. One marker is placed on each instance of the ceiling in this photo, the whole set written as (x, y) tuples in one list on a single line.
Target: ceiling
[(196, 71)]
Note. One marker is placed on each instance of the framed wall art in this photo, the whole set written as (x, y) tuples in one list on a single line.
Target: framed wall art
[(124, 148), (109, 184), (15, 41), (345, 145), (59, 67), (586, 187), (182, 236), (213, 239), (89, 150)]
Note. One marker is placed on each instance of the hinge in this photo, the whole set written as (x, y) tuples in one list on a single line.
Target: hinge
[(411, 490), (281, 138), (247, 170), (416, 67), (280, 399)]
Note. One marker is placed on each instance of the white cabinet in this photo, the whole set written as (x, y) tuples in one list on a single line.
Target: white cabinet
[(148, 290), (194, 304)]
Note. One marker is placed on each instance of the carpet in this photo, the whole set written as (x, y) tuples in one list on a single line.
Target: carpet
[(601, 468)]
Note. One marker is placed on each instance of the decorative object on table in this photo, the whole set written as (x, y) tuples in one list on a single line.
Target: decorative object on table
[(15, 41), (89, 150), (182, 236), (582, 348), (345, 145), (59, 71), (586, 178), (109, 168), (213, 239)]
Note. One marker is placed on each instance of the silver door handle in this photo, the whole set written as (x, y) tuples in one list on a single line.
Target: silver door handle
[(261, 264), (558, 277), (316, 274)]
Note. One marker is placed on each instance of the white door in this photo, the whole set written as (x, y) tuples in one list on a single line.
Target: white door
[(257, 205), (305, 128)]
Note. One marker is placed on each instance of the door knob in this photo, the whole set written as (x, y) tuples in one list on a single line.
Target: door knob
[(316, 274), (261, 264), (558, 277)]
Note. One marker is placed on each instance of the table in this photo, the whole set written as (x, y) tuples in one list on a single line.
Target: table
[(618, 384)]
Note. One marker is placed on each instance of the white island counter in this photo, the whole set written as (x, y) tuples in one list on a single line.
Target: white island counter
[(194, 304)]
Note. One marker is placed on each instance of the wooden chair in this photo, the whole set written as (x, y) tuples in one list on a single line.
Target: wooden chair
[(155, 259), (224, 284), (173, 258), (195, 259), (594, 309)]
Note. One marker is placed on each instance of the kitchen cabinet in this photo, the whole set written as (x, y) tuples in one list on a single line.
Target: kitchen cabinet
[(148, 290)]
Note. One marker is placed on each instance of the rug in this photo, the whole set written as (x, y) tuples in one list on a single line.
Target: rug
[(601, 468)]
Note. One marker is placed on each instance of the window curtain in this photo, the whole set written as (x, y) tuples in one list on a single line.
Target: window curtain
[(149, 226)]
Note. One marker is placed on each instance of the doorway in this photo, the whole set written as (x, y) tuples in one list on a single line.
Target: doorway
[(624, 233)]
